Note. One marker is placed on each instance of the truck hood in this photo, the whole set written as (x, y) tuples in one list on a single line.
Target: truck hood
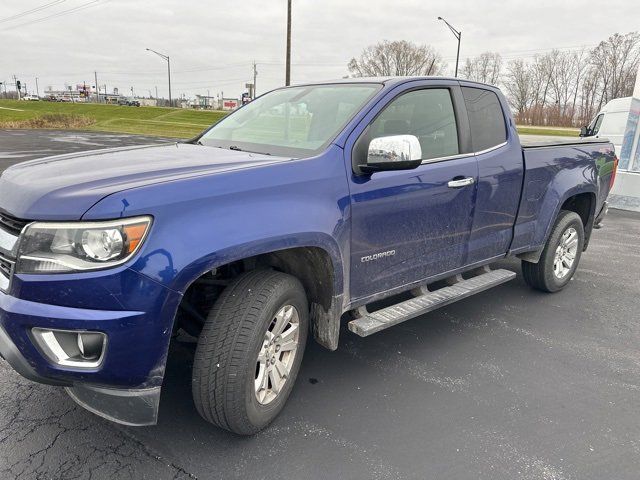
[(64, 187)]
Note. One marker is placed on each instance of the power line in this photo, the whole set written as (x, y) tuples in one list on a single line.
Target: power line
[(59, 14), (33, 10)]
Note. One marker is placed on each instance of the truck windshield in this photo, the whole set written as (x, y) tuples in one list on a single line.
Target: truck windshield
[(296, 121)]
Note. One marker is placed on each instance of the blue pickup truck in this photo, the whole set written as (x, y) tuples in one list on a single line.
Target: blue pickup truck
[(364, 202)]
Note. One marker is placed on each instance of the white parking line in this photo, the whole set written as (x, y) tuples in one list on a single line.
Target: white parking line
[(14, 109)]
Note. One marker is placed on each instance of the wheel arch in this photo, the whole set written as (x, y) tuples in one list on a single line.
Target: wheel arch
[(318, 266), (581, 201)]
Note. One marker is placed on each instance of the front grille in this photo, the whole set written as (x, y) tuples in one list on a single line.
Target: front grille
[(6, 266), (12, 224), (6, 269), (10, 228)]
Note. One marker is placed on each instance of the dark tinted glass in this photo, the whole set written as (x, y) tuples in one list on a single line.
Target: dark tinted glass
[(427, 114), (595, 128), (486, 119)]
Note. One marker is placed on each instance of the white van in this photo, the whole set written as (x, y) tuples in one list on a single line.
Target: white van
[(619, 121), (611, 122)]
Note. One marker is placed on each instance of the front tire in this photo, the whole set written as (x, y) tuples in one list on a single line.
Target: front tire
[(250, 351), (560, 256)]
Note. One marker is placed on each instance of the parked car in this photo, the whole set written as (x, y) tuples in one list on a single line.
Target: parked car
[(30, 98), (381, 200), (131, 102)]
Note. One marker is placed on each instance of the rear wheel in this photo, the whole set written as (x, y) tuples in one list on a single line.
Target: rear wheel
[(560, 257), (250, 350)]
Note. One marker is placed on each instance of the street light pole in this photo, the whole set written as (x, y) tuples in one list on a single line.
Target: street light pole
[(458, 35), (287, 77), (165, 57)]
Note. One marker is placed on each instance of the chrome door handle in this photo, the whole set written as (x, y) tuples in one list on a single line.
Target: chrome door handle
[(463, 182)]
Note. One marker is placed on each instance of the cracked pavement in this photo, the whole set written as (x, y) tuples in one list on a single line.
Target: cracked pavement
[(508, 384)]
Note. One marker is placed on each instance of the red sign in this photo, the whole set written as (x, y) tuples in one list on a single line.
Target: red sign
[(229, 104)]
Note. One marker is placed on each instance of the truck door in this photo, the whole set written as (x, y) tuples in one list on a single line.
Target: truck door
[(412, 224), (500, 171)]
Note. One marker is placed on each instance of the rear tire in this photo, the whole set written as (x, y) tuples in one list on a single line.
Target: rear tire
[(560, 256), (242, 373)]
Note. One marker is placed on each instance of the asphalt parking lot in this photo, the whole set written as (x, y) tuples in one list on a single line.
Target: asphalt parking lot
[(509, 384), (21, 145)]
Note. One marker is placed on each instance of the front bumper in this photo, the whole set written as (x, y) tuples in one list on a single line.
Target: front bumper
[(125, 387)]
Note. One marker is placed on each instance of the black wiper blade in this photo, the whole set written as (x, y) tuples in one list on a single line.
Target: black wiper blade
[(235, 147)]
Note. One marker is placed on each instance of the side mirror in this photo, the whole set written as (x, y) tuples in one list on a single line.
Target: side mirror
[(584, 132), (395, 152)]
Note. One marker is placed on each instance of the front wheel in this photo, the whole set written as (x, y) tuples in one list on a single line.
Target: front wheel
[(560, 257), (250, 350)]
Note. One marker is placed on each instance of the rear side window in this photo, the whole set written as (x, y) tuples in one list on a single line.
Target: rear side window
[(486, 119), (427, 114)]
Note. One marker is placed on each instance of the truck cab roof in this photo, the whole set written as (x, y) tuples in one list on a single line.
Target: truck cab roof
[(392, 80)]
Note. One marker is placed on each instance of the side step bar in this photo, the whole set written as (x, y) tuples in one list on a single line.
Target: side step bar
[(368, 323)]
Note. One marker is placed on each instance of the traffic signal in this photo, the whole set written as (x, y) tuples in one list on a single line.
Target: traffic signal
[(18, 84)]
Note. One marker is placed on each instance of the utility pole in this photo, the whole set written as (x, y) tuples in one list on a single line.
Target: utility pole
[(287, 78), (97, 87), (165, 57), (156, 95), (255, 74), (458, 35), (37, 89)]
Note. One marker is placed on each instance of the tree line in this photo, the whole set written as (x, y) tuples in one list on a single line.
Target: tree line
[(558, 88)]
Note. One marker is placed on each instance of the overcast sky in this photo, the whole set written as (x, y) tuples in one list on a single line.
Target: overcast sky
[(213, 44)]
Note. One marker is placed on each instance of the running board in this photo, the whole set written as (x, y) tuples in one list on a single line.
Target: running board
[(368, 323)]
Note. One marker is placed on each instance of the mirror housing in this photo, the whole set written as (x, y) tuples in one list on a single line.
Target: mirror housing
[(394, 152), (584, 131)]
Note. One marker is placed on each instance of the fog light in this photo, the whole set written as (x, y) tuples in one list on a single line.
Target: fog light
[(71, 348), (90, 345)]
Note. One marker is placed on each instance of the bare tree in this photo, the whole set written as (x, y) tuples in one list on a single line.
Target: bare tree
[(617, 61), (559, 88), (485, 68), (519, 86), (400, 58)]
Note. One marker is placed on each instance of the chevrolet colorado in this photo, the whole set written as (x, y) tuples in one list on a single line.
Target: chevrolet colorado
[(367, 201)]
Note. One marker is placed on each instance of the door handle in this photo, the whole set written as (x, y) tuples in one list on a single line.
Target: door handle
[(462, 182)]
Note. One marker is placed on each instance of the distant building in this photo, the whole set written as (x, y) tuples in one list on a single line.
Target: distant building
[(205, 102), (68, 95)]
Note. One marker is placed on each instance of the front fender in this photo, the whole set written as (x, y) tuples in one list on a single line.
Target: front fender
[(204, 222), (261, 246)]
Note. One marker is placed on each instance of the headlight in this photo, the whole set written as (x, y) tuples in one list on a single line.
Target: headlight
[(79, 246)]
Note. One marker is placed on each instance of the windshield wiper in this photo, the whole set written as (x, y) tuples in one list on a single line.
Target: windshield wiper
[(235, 147)]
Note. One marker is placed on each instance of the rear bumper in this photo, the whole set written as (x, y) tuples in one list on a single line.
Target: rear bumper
[(125, 386), (603, 212)]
